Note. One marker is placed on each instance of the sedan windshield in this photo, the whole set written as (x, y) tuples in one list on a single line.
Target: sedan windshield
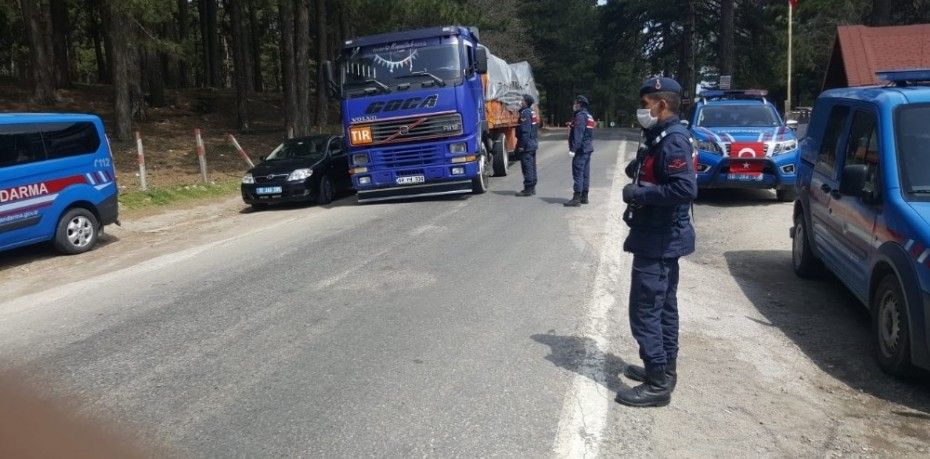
[(913, 132), (311, 148), (386, 68), (738, 116)]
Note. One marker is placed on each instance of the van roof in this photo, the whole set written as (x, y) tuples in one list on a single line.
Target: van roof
[(46, 117), (882, 94)]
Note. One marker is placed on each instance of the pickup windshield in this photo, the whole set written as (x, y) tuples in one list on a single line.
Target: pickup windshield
[(738, 116), (391, 67), (912, 125), (311, 148)]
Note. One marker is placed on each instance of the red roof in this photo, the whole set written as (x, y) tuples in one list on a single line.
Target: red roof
[(866, 50)]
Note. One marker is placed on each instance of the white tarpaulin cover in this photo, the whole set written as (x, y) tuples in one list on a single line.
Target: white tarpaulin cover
[(509, 82)]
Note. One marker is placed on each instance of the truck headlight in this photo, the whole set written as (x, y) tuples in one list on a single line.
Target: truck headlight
[(360, 159), (299, 175), (784, 147), (247, 179), (458, 148), (708, 146)]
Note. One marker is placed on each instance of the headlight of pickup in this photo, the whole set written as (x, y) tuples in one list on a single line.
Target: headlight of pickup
[(247, 179), (299, 175), (784, 147), (708, 146)]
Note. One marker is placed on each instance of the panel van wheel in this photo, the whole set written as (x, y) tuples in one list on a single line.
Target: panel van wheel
[(77, 231), (805, 264), (326, 192), (479, 184), (499, 153), (786, 194), (890, 325)]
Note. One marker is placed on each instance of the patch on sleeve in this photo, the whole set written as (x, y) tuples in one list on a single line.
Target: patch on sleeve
[(677, 165)]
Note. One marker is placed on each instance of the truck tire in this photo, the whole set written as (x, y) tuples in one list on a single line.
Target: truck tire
[(479, 184), (77, 231), (891, 327), (500, 155), (805, 264)]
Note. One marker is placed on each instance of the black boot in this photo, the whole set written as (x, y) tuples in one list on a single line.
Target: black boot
[(638, 373), (655, 391), (584, 197), (531, 191), (575, 202)]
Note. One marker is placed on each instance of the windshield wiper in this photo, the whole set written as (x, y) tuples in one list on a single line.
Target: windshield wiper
[(383, 87), (433, 77)]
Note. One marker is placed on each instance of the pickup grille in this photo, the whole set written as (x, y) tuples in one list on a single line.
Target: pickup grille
[(416, 128), (728, 148)]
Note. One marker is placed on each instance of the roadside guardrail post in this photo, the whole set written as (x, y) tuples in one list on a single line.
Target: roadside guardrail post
[(201, 156), (142, 181), (241, 151)]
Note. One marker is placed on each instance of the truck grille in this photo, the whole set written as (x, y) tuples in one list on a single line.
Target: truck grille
[(416, 128), (411, 157)]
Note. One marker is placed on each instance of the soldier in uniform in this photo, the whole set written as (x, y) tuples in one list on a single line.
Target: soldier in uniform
[(658, 215), (580, 134), (527, 144)]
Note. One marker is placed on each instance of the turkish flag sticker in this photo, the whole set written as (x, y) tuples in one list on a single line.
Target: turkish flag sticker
[(749, 150)]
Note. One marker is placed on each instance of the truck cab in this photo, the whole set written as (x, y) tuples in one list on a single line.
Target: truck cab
[(413, 113)]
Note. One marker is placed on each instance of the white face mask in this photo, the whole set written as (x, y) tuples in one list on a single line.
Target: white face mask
[(645, 118)]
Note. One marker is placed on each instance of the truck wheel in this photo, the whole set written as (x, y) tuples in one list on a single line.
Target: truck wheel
[(77, 231), (890, 325), (786, 194), (805, 264), (479, 184), (499, 153)]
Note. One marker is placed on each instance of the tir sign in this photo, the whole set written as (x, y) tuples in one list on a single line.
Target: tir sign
[(360, 135)]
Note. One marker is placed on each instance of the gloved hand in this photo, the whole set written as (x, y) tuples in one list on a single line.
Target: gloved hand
[(631, 169), (571, 154), (629, 193)]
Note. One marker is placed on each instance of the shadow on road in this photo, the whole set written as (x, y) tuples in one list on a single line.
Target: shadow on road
[(736, 197), (39, 252), (343, 200), (555, 200), (825, 321), (568, 352)]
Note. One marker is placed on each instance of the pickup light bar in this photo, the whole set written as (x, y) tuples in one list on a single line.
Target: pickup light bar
[(905, 77), (733, 93)]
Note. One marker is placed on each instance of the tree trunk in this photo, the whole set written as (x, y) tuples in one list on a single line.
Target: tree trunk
[(42, 66), (61, 31), (107, 42), (155, 78), (119, 32), (240, 62), (881, 13), (288, 62), (184, 78), (93, 29), (211, 50), (257, 35), (727, 10), (686, 74), (322, 102), (303, 68)]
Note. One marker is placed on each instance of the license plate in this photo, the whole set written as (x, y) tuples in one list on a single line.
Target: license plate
[(268, 190), (745, 177), (410, 180)]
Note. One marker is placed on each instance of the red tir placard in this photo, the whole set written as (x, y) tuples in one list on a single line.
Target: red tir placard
[(749, 150)]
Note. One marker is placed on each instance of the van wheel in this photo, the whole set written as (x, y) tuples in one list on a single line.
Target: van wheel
[(786, 194), (803, 261), (326, 192), (479, 184), (891, 327), (499, 153), (77, 231)]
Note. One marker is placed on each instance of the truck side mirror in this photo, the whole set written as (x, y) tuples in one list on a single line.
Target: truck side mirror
[(331, 86), (853, 180), (481, 60)]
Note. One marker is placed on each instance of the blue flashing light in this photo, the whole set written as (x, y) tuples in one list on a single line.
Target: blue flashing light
[(903, 77)]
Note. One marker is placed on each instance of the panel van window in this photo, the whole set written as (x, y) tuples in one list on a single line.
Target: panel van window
[(70, 139), (826, 160), (20, 144), (912, 129)]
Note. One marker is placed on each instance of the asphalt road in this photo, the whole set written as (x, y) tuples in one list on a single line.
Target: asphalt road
[(476, 326)]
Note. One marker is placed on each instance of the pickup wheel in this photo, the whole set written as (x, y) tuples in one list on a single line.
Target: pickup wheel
[(891, 327), (499, 153), (479, 184), (805, 264), (77, 231)]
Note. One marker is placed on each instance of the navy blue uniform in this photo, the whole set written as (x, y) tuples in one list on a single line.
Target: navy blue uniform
[(660, 233), (580, 142), (527, 144)]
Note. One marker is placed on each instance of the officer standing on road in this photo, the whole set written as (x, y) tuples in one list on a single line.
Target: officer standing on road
[(580, 145), (527, 144), (659, 218)]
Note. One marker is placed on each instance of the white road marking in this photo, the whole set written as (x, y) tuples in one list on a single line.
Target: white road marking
[(588, 401)]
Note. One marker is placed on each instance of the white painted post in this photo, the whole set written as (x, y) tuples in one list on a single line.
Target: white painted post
[(142, 181), (290, 131), (201, 156), (241, 151)]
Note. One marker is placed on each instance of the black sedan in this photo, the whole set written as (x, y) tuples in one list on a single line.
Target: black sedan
[(304, 169)]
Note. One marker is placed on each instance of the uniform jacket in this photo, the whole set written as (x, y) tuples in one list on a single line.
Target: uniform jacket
[(581, 131), (527, 130), (660, 226)]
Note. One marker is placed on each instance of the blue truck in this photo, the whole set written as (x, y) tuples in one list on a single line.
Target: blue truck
[(415, 114)]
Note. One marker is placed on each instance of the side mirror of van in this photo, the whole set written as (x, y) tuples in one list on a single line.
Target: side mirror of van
[(481, 60), (792, 124), (853, 180)]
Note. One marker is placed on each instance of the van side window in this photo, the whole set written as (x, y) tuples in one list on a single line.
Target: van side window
[(826, 159), (862, 146), (70, 139), (20, 144)]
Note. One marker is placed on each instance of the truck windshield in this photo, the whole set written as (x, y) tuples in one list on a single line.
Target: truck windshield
[(738, 116), (309, 148), (912, 126), (392, 67)]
